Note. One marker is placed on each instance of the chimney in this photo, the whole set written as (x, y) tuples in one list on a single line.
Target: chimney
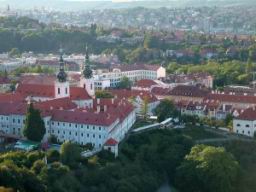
[(224, 107), (105, 108), (98, 101), (112, 100)]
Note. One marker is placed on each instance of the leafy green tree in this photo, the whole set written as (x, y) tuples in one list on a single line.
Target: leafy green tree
[(166, 109), (150, 42), (207, 168), (144, 107), (34, 128), (38, 166), (70, 154), (20, 179), (15, 52), (103, 94), (125, 83), (53, 155)]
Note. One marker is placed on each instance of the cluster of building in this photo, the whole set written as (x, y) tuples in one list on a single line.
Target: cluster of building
[(71, 110)]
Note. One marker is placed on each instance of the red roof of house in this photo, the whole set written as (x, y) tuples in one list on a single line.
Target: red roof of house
[(160, 91), (61, 103), (248, 114), (111, 142), (11, 97), (189, 91), (40, 79), (79, 93), (127, 94), (84, 117), (232, 98), (145, 83), (36, 90), (119, 107)]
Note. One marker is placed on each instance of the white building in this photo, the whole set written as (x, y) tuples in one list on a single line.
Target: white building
[(70, 113), (133, 72), (245, 123)]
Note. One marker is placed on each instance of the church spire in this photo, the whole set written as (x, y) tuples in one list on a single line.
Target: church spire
[(62, 76), (87, 72)]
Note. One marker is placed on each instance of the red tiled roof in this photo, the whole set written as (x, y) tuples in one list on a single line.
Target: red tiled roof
[(61, 103), (79, 93), (248, 114), (119, 107), (36, 90), (84, 117), (232, 98), (127, 94), (41, 79), (160, 91), (145, 83), (11, 97), (190, 91), (111, 142)]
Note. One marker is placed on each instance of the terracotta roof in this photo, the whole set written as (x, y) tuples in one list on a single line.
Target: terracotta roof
[(36, 90), (84, 117), (119, 107), (190, 91), (79, 93), (40, 79), (111, 142), (11, 97), (127, 94), (232, 98), (61, 103), (145, 83), (160, 91), (248, 114)]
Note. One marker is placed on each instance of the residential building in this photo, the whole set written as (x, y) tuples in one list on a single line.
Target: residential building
[(245, 123)]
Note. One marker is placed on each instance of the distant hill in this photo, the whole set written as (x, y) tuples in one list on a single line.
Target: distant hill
[(65, 5)]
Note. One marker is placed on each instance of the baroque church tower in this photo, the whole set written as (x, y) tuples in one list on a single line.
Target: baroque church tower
[(61, 84), (87, 81)]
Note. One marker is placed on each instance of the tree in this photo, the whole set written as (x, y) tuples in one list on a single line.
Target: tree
[(70, 153), (38, 166), (20, 179), (150, 42), (207, 168), (34, 128), (53, 155), (125, 83), (144, 108), (103, 94), (165, 110), (15, 52), (228, 120)]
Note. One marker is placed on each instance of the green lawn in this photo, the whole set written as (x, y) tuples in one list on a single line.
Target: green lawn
[(197, 133)]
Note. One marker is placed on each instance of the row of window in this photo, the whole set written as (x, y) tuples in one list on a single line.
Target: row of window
[(76, 134), (76, 125), (237, 131), (238, 125)]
